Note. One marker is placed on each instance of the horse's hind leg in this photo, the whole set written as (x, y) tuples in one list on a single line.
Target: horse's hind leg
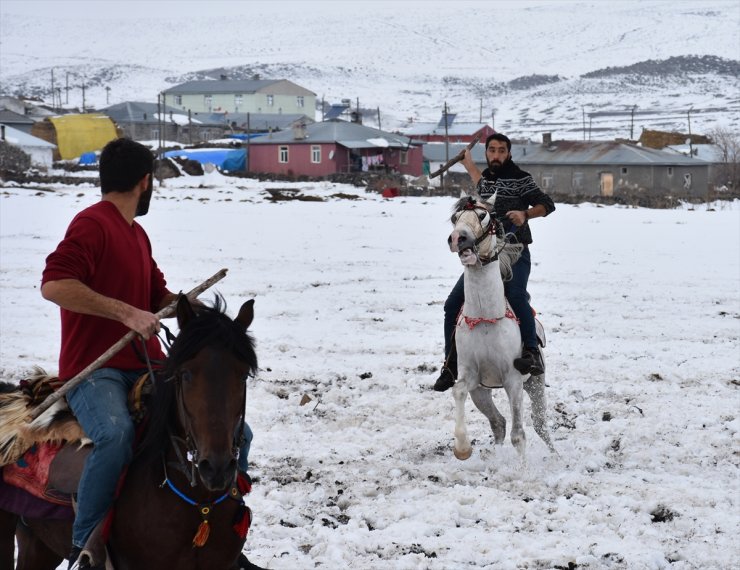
[(535, 387), (8, 522), (484, 402), (33, 553), (514, 391), (462, 447)]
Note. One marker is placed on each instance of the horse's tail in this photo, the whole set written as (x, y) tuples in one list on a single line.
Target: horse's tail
[(19, 431)]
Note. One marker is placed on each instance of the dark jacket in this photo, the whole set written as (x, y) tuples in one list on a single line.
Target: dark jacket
[(516, 190)]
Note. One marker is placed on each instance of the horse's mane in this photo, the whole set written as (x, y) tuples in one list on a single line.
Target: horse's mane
[(211, 327), (508, 256)]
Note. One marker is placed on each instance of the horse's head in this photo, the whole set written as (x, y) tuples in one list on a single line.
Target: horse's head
[(474, 229), (209, 362)]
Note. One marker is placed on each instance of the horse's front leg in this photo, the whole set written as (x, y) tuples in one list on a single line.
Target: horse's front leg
[(515, 393), (462, 449)]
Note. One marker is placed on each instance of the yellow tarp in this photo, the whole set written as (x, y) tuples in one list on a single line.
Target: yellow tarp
[(77, 134)]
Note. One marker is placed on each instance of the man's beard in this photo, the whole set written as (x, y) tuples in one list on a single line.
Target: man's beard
[(495, 165), (142, 207)]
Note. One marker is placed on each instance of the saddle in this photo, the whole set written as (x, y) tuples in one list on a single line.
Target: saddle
[(51, 470)]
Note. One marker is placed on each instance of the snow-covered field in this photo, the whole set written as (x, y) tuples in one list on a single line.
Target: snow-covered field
[(642, 309)]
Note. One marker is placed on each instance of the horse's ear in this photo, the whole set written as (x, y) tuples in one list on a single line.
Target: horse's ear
[(184, 311), (246, 315), (492, 199)]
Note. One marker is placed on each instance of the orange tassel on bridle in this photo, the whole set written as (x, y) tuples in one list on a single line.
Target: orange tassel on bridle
[(204, 529)]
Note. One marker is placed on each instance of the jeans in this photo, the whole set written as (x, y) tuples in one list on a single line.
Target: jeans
[(101, 407), (516, 292)]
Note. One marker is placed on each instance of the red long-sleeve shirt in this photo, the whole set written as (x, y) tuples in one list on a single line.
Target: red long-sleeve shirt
[(113, 258)]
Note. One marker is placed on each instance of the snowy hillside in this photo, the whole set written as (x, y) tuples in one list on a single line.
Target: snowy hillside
[(528, 66)]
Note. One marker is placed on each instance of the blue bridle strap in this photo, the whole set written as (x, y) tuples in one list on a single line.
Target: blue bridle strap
[(187, 499)]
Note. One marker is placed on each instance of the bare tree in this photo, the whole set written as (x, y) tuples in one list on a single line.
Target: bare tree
[(727, 172)]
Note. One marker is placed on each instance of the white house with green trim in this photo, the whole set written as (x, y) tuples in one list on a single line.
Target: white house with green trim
[(273, 96)]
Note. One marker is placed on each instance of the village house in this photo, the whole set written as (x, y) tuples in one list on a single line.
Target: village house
[(16, 120), (39, 151), (595, 168), (335, 146), (254, 122), (273, 96), (146, 121), (455, 132)]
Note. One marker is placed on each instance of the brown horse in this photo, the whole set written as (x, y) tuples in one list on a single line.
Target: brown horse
[(179, 505)]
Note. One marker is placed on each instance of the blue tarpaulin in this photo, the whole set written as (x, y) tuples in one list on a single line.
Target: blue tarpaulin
[(225, 159), (88, 158)]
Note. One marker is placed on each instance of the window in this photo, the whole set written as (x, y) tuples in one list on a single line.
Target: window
[(178, 99), (404, 157), (578, 181), (237, 100), (315, 154), (299, 101), (270, 100), (283, 154), (670, 171), (207, 101), (155, 134), (547, 181), (623, 170)]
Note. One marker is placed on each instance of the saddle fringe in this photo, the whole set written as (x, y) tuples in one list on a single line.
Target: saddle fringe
[(19, 432)]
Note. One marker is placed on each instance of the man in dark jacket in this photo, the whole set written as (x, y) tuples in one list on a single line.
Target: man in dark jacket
[(518, 200)]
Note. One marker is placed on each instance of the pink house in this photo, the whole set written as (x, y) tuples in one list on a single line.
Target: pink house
[(335, 146)]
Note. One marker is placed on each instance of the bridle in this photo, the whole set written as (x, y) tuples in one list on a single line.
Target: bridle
[(491, 229), (192, 454)]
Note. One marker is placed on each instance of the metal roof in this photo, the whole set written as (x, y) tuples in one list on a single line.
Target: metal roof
[(456, 129), (571, 153), (9, 117), (237, 86), (21, 139), (435, 152), (597, 152), (137, 112), (257, 121), (221, 86), (350, 135)]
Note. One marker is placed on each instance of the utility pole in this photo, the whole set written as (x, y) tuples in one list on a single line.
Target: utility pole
[(83, 96), (493, 119), (447, 147), (632, 121), (66, 90), (53, 92), (107, 95), (480, 115), (379, 127), (583, 111), (691, 147)]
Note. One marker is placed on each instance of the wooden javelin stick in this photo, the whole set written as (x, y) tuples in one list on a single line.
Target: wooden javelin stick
[(453, 161), (128, 337)]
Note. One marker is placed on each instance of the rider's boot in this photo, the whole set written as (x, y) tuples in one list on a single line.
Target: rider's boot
[(448, 374), (530, 362), (244, 564)]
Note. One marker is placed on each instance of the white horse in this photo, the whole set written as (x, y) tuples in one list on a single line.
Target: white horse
[(487, 333)]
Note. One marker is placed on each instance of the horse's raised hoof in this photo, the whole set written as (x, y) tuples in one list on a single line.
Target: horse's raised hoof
[(463, 455)]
